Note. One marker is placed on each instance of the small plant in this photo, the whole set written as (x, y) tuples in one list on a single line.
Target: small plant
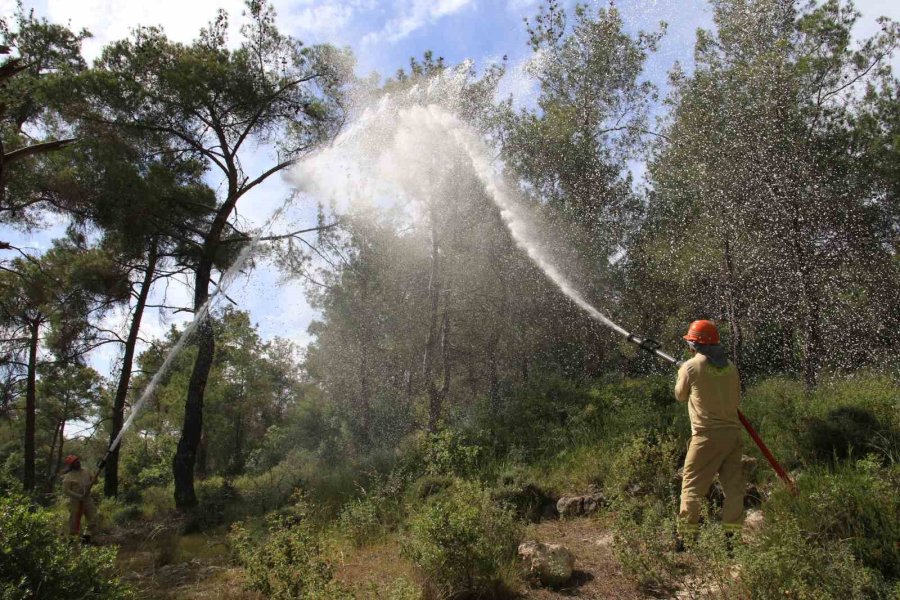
[(288, 564), (646, 466), (643, 538), (376, 512), (521, 493), (36, 563), (462, 542), (855, 504), (448, 452), (214, 497), (786, 562)]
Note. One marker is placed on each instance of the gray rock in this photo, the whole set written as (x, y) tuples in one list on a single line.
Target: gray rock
[(576, 506), (551, 564), (569, 506)]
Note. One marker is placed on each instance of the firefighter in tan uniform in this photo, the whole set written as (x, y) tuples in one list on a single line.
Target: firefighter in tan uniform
[(76, 486), (711, 386)]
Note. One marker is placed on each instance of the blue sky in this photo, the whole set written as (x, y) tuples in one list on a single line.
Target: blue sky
[(383, 35)]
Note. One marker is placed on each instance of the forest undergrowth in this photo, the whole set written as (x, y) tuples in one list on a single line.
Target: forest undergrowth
[(443, 516)]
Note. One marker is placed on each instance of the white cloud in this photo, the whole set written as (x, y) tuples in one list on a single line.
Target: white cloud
[(7, 7), (411, 15), (326, 19), (521, 6), (110, 21)]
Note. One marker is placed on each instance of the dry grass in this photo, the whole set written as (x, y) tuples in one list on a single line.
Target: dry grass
[(597, 572), (369, 569)]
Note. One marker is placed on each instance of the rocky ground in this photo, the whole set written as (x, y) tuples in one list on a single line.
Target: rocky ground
[(197, 567)]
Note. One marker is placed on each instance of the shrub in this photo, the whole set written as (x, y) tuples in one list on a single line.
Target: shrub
[(449, 452), (36, 563), (643, 536), (427, 486), (157, 500), (787, 562), (523, 494), (843, 417), (646, 466), (378, 511), (857, 503), (462, 541), (214, 497), (288, 564), (845, 432)]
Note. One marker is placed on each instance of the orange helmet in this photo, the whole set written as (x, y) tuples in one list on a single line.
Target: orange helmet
[(703, 332), (70, 460)]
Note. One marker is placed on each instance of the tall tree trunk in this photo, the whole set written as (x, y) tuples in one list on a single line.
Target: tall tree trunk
[(111, 480), (731, 302), (812, 334), (59, 448), (50, 454), (186, 454), (437, 395), (365, 342), (434, 291), (30, 401)]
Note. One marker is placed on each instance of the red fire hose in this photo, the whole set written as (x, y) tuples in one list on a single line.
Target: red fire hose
[(654, 347)]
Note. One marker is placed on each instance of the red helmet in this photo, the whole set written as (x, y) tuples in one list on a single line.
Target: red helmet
[(703, 332), (70, 460)]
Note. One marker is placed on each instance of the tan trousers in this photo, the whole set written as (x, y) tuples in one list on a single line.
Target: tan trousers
[(711, 453), (88, 517)]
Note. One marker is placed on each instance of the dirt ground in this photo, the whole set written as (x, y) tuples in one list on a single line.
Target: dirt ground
[(162, 566), (597, 572)]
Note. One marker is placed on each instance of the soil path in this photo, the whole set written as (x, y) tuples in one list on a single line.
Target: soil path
[(598, 573)]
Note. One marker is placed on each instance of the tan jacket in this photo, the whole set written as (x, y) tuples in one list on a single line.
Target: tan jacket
[(77, 484), (712, 394)]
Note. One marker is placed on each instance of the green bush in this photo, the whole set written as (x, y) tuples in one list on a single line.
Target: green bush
[(215, 497), (156, 501), (856, 504), (646, 466), (847, 432), (523, 494), (462, 541), (378, 510), (450, 452), (785, 561), (36, 563), (843, 417), (643, 538), (427, 486), (287, 564)]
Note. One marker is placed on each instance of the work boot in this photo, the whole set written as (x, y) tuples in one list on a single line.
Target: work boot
[(85, 540)]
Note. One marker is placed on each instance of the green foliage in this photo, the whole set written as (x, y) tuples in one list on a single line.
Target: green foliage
[(643, 536), (856, 504), (844, 417), (37, 563), (427, 486), (215, 496), (462, 541), (287, 564), (522, 493), (401, 589), (378, 510), (646, 466), (787, 561), (451, 452)]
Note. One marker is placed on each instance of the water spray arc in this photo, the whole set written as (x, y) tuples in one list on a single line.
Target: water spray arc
[(199, 317), (516, 223)]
